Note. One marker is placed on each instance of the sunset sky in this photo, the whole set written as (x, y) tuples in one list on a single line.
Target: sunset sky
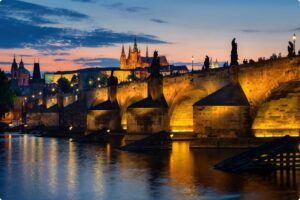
[(72, 34)]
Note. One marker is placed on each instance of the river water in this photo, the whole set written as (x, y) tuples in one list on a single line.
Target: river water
[(48, 168)]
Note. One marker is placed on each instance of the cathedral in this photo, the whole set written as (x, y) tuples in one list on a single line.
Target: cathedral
[(20, 74), (135, 60)]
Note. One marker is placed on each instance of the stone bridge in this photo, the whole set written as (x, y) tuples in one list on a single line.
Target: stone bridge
[(260, 82), (261, 99)]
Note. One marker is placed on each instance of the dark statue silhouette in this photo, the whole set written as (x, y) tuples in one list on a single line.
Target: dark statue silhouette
[(291, 52), (234, 53), (206, 63)]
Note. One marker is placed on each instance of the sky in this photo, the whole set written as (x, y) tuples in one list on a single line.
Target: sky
[(73, 34)]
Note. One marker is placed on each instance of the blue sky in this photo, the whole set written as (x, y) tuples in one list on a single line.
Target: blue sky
[(68, 34)]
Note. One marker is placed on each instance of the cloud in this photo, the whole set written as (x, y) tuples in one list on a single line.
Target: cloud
[(31, 32), (251, 31), (123, 7), (159, 21), (98, 62), (5, 63), (37, 14), (84, 1), (270, 30), (60, 59)]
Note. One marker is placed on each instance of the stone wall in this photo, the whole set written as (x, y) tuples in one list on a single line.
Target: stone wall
[(260, 79), (147, 120), (221, 121), (280, 115), (100, 119), (50, 120)]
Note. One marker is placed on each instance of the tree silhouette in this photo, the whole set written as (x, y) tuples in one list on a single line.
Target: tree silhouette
[(234, 53), (64, 85), (7, 97)]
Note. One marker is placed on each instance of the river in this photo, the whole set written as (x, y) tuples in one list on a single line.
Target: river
[(37, 168)]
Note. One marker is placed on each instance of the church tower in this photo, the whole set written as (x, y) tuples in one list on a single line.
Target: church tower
[(14, 69), (36, 72), (123, 64)]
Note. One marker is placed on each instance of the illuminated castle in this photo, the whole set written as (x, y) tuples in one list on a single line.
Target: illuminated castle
[(135, 60)]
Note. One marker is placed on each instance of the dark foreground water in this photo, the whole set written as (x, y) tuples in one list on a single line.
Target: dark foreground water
[(45, 168)]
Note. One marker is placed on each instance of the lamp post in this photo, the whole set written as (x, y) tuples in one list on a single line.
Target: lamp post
[(294, 40), (193, 63)]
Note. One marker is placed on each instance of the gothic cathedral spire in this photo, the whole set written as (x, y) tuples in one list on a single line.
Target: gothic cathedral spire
[(135, 48), (147, 52)]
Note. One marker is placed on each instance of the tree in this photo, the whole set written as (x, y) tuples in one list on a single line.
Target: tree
[(7, 96), (234, 53), (64, 85)]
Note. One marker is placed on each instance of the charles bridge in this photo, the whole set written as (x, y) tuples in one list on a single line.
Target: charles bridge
[(260, 99)]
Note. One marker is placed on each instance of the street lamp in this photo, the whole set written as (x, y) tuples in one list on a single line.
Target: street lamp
[(294, 40), (193, 63)]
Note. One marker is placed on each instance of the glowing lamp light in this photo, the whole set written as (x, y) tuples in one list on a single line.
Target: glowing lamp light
[(172, 135), (25, 125), (53, 89), (70, 128), (40, 93), (90, 82), (33, 96), (193, 58), (77, 90), (294, 37), (25, 98), (108, 130), (98, 79), (72, 85)]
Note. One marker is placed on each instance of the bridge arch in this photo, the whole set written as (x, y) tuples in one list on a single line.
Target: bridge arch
[(181, 110), (279, 115)]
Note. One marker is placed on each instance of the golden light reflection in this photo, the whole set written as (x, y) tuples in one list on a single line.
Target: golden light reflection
[(181, 164), (98, 178), (72, 168), (53, 167)]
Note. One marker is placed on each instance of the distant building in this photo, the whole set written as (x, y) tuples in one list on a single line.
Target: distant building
[(20, 74), (135, 60), (214, 64)]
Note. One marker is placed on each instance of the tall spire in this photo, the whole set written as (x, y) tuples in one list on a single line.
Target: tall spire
[(14, 66), (147, 52), (123, 51), (135, 48)]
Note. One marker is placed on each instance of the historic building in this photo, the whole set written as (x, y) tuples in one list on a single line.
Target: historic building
[(20, 74), (135, 60)]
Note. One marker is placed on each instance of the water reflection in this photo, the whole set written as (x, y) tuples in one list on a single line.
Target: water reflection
[(45, 168)]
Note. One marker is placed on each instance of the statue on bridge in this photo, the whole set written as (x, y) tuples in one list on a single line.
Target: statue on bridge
[(155, 66), (112, 80), (291, 48), (206, 63), (234, 53)]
